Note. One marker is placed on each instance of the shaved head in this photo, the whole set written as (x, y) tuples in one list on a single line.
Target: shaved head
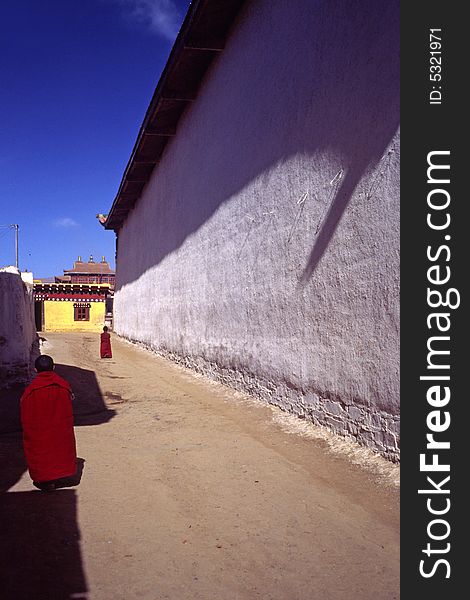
[(44, 363)]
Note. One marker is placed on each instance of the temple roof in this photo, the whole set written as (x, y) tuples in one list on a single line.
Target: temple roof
[(90, 267)]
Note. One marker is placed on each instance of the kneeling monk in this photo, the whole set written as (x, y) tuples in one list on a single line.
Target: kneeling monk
[(105, 345), (47, 420)]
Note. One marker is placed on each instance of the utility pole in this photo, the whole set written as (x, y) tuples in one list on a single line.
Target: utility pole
[(16, 228)]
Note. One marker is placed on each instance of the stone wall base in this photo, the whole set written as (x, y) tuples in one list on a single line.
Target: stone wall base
[(379, 431)]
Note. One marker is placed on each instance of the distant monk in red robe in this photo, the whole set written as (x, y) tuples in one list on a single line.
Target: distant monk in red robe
[(105, 347), (47, 420)]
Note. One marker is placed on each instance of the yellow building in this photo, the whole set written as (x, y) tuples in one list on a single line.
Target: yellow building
[(70, 307)]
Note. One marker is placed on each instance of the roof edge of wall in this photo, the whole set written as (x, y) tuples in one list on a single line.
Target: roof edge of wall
[(200, 40)]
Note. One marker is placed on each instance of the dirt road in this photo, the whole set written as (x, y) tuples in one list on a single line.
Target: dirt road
[(189, 492)]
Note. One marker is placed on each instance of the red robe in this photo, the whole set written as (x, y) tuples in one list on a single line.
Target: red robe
[(105, 347), (47, 420)]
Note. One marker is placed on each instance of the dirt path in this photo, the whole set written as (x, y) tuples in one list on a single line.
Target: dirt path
[(189, 492)]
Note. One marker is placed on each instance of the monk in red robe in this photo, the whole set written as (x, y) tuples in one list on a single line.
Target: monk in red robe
[(105, 346), (47, 420)]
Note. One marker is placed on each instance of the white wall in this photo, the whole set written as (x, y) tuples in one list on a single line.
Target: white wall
[(19, 344), (265, 248)]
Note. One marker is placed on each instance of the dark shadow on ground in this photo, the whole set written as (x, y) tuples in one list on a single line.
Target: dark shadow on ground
[(40, 547), (12, 461), (40, 540), (89, 407), (10, 408)]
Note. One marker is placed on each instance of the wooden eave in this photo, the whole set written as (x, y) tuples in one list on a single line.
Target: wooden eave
[(201, 38), (72, 288)]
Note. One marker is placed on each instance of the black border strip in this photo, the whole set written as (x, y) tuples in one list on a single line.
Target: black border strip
[(431, 128)]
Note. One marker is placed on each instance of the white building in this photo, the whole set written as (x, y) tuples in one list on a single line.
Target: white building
[(19, 343)]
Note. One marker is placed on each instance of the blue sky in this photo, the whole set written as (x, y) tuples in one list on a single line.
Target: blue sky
[(76, 79)]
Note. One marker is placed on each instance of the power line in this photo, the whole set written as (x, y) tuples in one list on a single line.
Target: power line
[(16, 227)]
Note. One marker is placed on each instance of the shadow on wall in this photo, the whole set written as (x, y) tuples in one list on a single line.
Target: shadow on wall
[(40, 538), (332, 69)]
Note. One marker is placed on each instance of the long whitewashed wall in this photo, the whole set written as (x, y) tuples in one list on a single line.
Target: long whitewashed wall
[(19, 344), (264, 251)]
